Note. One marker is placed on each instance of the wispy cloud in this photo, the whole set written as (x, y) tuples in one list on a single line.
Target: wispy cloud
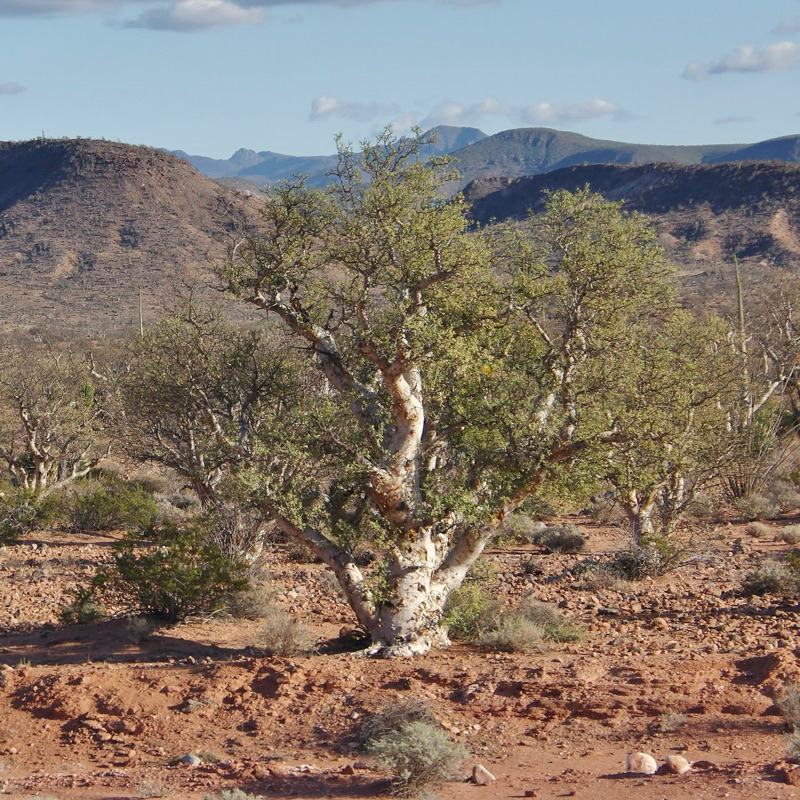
[(791, 25), (196, 15), (544, 113), (11, 88), (773, 57), (732, 120), (163, 12), (326, 106)]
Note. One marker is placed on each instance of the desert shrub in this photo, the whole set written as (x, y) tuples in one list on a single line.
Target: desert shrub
[(469, 610), (756, 506), (528, 628), (784, 494), (789, 705), (111, 504), (419, 756), (84, 608), (139, 629), (518, 529), (703, 507), (233, 794), (789, 534), (561, 539), (183, 502), (405, 739), (758, 530), (793, 744), (770, 577), (390, 718), (647, 560), (22, 512), (282, 635), (671, 721), (512, 633), (553, 623), (255, 601), (176, 575)]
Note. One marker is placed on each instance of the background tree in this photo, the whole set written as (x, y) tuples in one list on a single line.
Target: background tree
[(51, 417)]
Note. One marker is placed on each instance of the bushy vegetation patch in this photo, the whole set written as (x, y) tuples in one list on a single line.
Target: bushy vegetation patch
[(771, 577), (561, 539), (406, 740), (175, 574), (110, 503)]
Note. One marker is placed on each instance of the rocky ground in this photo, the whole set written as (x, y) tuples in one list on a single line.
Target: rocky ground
[(679, 665)]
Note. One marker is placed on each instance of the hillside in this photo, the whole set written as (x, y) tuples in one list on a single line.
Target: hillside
[(704, 214), (83, 223)]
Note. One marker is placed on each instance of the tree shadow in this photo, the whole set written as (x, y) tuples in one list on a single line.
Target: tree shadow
[(110, 641)]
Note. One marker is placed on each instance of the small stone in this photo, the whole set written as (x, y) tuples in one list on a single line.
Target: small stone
[(642, 763), (481, 776), (190, 760), (677, 764)]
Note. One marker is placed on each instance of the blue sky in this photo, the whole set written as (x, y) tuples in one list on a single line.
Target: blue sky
[(210, 76)]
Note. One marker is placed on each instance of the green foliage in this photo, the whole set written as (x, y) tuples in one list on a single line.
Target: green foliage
[(528, 628), (175, 575), (84, 608), (23, 512), (110, 503), (469, 611), (406, 739)]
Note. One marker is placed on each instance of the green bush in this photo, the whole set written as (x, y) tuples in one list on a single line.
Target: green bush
[(419, 756), (176, 575), (83, 609), (469, 610), (406, 740), (527, 628), (111, 504), (22, 512)]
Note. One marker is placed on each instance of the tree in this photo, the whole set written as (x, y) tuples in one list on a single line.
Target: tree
[(448, 391), (51, 417), (670, 403)]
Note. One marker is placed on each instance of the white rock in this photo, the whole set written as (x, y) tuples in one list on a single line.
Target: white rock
[(677, 764), (190, 760), (481, 776), (642, 763)]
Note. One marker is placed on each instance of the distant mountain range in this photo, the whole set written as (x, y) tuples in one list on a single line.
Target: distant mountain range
[(509, 154), (87, 228)]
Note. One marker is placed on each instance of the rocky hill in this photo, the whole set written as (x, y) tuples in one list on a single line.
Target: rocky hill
[(84, 224), (705, 214)]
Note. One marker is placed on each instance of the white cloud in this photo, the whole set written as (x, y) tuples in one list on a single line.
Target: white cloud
[(196, 15), (733, 120), (545, 113), (11, 88), (778, 56), (326, 106)]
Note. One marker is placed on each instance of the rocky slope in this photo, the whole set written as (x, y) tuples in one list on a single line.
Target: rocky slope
[(84, 224)]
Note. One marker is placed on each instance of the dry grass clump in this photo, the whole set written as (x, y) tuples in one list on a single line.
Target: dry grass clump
[(757, 506), (789, 534), (561, 539), (770, 577), (758, 530), (256, 601), (282, 635), (528, 628)]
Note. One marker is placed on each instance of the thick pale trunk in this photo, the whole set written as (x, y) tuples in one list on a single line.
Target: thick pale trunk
[(641, 522), (409, 621)]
